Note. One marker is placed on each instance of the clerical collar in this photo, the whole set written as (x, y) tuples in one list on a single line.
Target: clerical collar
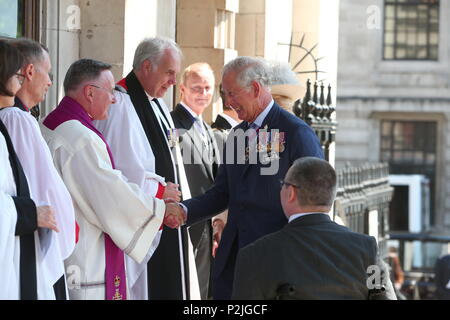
[(150, 98), (260, 119), (298, 215), (19, 104), (233, 123), (68, 109), (193, 114)]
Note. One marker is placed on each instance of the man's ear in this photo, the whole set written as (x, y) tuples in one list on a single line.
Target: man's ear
[(28, 71), (292, 194), (88, 93), (182, 90), (147, 66), (256, 88)]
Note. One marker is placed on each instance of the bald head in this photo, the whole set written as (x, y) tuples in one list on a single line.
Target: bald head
[(199, 69)]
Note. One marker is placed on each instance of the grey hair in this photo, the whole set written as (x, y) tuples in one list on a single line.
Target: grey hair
[(153, 49), (315, 179), (249, 69), (31, 50), (81, 71), (282, 74)]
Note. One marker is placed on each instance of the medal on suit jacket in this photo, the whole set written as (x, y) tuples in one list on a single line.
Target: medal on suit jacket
[(263, 140), (270, 146), (173, 137), (279, 142)]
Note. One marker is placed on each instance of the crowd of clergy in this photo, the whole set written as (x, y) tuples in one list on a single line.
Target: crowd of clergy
[(111, 196)]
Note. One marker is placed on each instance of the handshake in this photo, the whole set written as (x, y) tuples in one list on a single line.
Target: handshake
[(174, 216)]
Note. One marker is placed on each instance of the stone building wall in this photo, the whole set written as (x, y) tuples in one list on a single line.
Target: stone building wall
[(371, 89)]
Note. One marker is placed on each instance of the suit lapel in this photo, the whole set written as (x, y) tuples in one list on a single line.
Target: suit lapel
[(213, 152), (221, 123), (187, 123)]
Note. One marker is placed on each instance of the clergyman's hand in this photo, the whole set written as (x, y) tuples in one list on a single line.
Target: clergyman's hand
[(172, 192), (46, 218), (174, 216)]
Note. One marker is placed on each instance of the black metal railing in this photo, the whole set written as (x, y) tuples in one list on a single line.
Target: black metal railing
[(317, 111), (363, 190)]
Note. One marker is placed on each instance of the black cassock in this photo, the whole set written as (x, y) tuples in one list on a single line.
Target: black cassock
[(25, 226), (163, 269)]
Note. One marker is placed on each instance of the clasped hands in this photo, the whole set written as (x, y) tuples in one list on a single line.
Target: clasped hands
[(174, 216)]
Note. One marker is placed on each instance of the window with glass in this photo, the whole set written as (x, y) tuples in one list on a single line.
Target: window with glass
[(19, 18), (11, 18), (410, 148), (411, 29)]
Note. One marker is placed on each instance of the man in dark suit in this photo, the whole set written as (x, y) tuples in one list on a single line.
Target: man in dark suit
[(200, 157), (311, 257), (247, 182)]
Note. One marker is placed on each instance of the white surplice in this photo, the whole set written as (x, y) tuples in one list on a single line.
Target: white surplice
[(137, 163), (9, 243), (134, 156), (46, 187), (105, 202)]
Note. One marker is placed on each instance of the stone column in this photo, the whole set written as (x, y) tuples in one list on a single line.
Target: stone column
[(263, 27), (102, 32), (60, 30), (206, 33)]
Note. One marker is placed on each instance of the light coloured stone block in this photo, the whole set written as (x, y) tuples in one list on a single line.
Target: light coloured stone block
[(252, 6), (352, 152), (246, 35), (197, 4), (196, 27)]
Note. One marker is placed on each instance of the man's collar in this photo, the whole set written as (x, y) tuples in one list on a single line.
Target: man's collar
[(233, 123), (192, 113), (150, 98), (260, 119), (19, 104), (298, 215)]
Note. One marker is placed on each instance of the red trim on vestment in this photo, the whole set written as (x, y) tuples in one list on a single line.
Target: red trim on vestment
[(123, 83), (77, 232)]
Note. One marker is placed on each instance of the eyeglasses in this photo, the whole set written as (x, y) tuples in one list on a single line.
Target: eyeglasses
[(20, 78), (111, 91), (282, 183)]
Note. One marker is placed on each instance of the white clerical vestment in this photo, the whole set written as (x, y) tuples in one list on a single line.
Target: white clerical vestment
[(46, 187), (9, 243), (133, 155), (105, 202)]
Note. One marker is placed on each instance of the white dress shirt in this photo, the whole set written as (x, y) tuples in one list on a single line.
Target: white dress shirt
[(298, 215)]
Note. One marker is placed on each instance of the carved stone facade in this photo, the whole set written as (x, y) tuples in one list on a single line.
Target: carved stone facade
[(374, 93)]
